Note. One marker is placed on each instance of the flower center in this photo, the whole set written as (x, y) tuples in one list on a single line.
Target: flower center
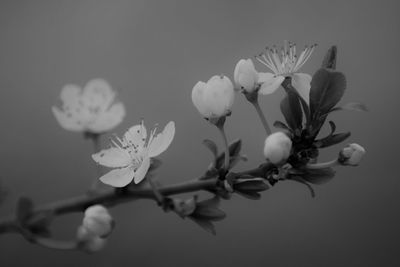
[(285, 61)]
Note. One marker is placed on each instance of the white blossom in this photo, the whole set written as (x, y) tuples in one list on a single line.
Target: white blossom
[(89, 110), (215, 98), (130, 155)]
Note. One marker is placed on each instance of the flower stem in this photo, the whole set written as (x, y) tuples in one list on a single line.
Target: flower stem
[(157, 195), (226, 147), (261, 116), (322, 165)]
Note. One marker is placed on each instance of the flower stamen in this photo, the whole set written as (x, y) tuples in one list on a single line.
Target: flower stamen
[(285, 61)]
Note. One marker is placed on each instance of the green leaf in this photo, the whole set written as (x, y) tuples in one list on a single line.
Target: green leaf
[(251, 185), (205, 224), (211, 146), (249, 194), (327, 88), (291, 110), (208, 209), (351, 106), (329, 61), (281, 125), (331, 140), (234, 152), (24, 209)]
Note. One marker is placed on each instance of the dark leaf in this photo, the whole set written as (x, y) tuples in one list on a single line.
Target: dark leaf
[(208, 209), (291, 110), (205, 224), (352, 106), (331, 140), (210, 213), (24, 209), (318, 176), (329, 61), (327, 88), (251, 185), (333, 127), (211, 146), (249, 194), (212, 202), (234, 150), (281, 125)]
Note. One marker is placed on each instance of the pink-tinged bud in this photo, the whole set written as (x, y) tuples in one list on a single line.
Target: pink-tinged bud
[(97, 221), (277, 147), (245, 75), (351, 155), (215, 98)]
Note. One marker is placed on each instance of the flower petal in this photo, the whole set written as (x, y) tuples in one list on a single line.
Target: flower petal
[(98, 94), (219, 95), (302, 83), (67, 120), (118, 177), (109, 119), (113, 157), (141, 172), (70, 94), (136, 135), (269, 82), (162, 141), (198, 96)]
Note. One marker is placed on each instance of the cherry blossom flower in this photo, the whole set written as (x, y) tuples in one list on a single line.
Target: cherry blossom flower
[(130, 155), (245, 76), (285, 63), (96, 225), (89, 110), (215, 98)]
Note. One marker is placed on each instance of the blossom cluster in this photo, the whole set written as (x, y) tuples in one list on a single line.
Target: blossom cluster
[(291, 153)]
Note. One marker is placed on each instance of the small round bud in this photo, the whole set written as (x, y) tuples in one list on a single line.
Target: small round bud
[(277, 147), (351, 155), (98, 221), (215, 98), (245, 75)]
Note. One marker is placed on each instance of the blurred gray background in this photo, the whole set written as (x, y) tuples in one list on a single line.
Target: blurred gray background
[(153, 52)]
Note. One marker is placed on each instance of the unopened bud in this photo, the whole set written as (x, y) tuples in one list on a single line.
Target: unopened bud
[(98, 221), (215, 98), (277, 147), (351, 155), (245, 75)]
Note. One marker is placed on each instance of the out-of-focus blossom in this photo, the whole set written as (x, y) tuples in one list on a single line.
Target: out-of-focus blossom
[(351, 155), (130, 156), (215, 98), (89, 110), (285, 63), (245, 76), (96, 225), (98, 220), (277, 147)]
